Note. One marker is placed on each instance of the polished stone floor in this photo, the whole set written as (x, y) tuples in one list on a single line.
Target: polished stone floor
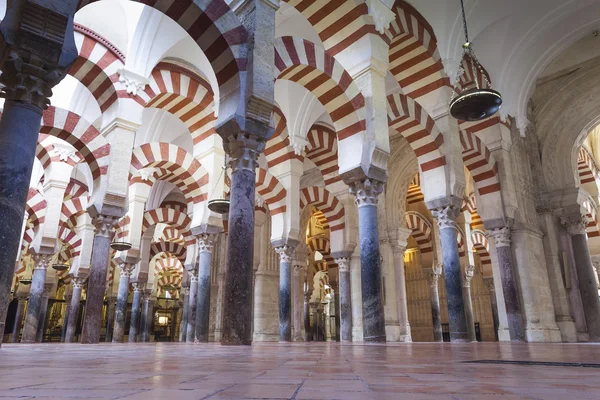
[(298, 371)]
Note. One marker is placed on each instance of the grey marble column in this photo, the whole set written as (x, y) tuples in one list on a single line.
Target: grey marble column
[(298, 268), (122, 296), (314, 307), (138, 289), (343, 262), (41, 328), (307, 332), (146, 321), (111, 305), (34, 306), (452, 274), (501, 238), (74, 309), (433, 276), (244, 150), (22, 298), (366, 193), (401, 300), (63, 335), (285, 292), (489, 283), (185, 293), (150, 319), (96, 287), (205, 247), (588, 286), (192, 304), (467, 277)]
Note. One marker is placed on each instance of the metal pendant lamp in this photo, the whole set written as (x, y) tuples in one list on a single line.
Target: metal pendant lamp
[(220, 205), (478, 100), (59, 266)]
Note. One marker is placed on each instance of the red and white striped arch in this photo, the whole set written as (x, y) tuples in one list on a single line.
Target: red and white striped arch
[(408, 118), (415, 61), (414, 194), (175, 205), (421, 230), (184, 94), (307, 64), (592, 218), (470, 205), (482, 246), (76, 188), (173, 218), (170, 248), (325, 202), (170, 234), (82, 135), (73, 241), (588, 172), (173, 164), (35, 207), (71, 209), (460, 240), (322, 150), (479, 161), (216, 30), (278, 149), (271, 190), (122, 228), (321, 244)]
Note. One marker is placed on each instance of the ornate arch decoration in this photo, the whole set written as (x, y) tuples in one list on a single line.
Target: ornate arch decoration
[(588, 170), (414, 194), (470, 205), (173, 235), (320, 266), (71, 209), (175, 205), (73, 245), (35, 207), (408, 118), (279, 149), (271, 190), (321, 244), (482, 246), (591, 212), (217, 31), (170, 249), (165, 161), (322, 150), (325, 202), (82, 135), (307, 64), (122, 228), (479, 161), (173, 218), (421, 230)]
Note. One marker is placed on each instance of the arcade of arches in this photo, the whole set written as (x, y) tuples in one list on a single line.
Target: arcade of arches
[(360, 210)]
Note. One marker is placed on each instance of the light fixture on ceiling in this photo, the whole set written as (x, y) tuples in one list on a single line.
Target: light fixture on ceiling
[(220, 206), (59, 266), (478, 100)]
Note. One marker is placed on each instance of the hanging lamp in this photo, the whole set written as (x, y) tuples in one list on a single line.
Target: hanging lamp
[(220, 206), (477, 101), (58, 266)]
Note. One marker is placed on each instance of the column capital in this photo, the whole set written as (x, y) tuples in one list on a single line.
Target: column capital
[(243, 150), (146, 294), (398, 248), (445, 216), (139, 286), (500, 236), (78, 282), (286, 252), (433, 275), (299, 269), (205, 242), (575, 224), (47, 289), (366, 191), (126, 269), (42, 260), (193, 273), (104, 224), (468, 275), (489, 284), (343, 263)]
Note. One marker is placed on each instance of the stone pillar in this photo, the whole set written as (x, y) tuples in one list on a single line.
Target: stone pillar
[(315, 323), (63, 335), (501, 238), (467, 277), (401, 301), (74, 309), (122, 296), (366, 193), (298, 284), (185, 292), (22, 298), (138, 288), (243, 150), (343, 262), (588, 286), (489, 283), (147, 316), (41, 328), (445, 217), (286, 253), (433, 275), (34, 306), (307, 332), (205, 247), (190, 335), (356, 291), (111, 305), (96, 286), (327, 314)]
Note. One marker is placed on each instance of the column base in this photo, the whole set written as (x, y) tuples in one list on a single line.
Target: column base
[(392, 333), (503, 334), (406, 338), (266, 337), (374, 339), (357, 334), (568, 331), (542, 334)]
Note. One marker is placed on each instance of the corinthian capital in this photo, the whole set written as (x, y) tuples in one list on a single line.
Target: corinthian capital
[(366, 191), (433, 275), (468, 274), (500, 236), (42, 260), (104, 225), (78, 282), (126, 269), (243, 150), (286, 253), (205, 242), (575, 224), (445, 216)]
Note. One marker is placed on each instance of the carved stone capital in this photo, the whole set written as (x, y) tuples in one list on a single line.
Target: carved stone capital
[(500, 236), (146, 295), (468, 275), (126, 269), (42, 260), (366, 191), (138, 286), (47, 289), (286, 253), (185, 290), (133, 82), (299, 269), (104, 225), (433, 275), (445, 216), (381, 14), (193, 273), (243, 150), (398, 249), (78, 282), (343, 264), (575, 225), (206, 242)]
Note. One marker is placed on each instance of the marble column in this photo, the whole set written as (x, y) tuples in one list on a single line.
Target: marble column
[(307, 332), (41, 328), (489, 283), (401, 300), (22, 298), (501, 238), (111, 305), (74, 309), (36, 292), (467, 277), (588, 286), (122, 296), (366, 193), (285, 292), (190, 335), (96, 287), (185, 292), (433, 276), (356, 291), (138, 288), (244, 150), (445, 217), (343, 262), (146, 321), (63, 335), (315, 321), (205, 247), (298, 268), (327, 314)]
